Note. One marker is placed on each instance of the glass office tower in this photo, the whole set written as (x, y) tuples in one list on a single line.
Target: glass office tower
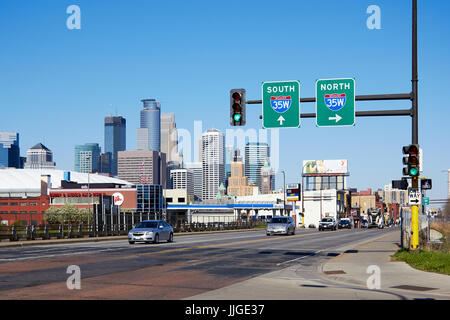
[(115, 139), (256, 155), (87, 158), (149, 134), (9, 150)]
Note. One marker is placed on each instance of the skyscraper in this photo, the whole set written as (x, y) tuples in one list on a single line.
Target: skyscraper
[(39, 157), (87, 158), (142, 167), (183, 179), (213, 163), (9, 150), (149, 134), (196, 168), (256, 155), (237, 182), (267, 179), (169, 138), (115, 139)]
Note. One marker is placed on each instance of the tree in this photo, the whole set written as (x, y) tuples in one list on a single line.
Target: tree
[(68, 214), (53, 215)]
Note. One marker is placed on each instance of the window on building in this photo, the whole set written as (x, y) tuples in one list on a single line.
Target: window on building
[(33, 204), (14, 203), (3, 203), (169, 200), (23, 204), (181, 199)]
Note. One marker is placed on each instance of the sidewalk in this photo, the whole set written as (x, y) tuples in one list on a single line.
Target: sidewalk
[(351, 267), (344, 277)]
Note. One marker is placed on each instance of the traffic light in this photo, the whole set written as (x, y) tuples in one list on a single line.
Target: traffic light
[(411, 160), (237, 107)]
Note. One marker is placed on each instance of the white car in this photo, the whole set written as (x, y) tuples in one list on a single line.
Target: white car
[(328, 223)]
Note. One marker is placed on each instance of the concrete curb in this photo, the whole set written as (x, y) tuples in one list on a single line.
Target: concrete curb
[(9, 244)]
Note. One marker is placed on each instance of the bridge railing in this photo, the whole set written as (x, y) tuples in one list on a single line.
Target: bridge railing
[(80, 230)]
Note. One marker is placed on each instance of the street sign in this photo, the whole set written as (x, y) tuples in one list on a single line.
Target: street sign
[(400, 184), (414, 196), (425, 184), (335, 102), (426, 201), (281, 104)]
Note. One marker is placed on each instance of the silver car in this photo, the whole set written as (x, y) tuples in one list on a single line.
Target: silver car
[(151, 231), (280, 225)]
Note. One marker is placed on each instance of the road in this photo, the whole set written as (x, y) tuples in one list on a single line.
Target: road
[(192, 265)]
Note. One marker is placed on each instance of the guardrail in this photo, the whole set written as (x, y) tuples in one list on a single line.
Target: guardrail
[(68, 231)]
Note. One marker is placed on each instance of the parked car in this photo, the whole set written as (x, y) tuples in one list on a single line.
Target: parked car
[(280, 225), (151, 231), (327, 223), (344, 223)]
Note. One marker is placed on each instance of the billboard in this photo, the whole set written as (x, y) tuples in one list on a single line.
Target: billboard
[(293, 192), (325, 166)]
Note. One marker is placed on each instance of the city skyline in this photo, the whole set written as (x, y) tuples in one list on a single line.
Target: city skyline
[(368, 62)]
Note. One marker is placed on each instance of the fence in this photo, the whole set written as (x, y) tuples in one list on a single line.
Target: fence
[(424, 228), (115, 225)]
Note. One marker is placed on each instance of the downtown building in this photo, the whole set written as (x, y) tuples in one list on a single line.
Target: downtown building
[(87, 158), (256, 156), (115, 141), (237, 182), (197, 177), (39, 157), (10, 150), (169, 139), (149, 134), (142, 167), (213, 163)]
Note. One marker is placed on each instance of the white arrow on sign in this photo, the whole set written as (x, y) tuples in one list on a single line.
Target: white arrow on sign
[(337, 118), (281, 119)]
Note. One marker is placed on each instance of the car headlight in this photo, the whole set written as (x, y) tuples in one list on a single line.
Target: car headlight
[(148, 233)]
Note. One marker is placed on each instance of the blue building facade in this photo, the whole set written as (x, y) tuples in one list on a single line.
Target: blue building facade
[(115, 139), (87, 158), (10, 150)]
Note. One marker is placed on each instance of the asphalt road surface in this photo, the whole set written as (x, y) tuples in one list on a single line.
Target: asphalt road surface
[(190, 266)]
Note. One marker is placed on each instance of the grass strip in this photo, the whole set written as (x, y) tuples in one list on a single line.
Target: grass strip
[(424, 260)]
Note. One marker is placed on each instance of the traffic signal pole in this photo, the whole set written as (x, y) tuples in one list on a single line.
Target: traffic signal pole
[(412, 112), (415, 126)]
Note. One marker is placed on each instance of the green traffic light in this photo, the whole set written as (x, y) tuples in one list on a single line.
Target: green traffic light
[(413, 171), (237, 117)]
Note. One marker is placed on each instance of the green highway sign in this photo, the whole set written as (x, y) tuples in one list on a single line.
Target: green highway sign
[(281, 104), (335, 102), (426, 201)]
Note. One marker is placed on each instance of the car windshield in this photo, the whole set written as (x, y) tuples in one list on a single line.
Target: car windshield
[(147, 224), (327, 220), (344, 221), (279, 220)]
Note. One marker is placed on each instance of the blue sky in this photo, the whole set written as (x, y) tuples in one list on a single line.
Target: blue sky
[(57, 85)]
